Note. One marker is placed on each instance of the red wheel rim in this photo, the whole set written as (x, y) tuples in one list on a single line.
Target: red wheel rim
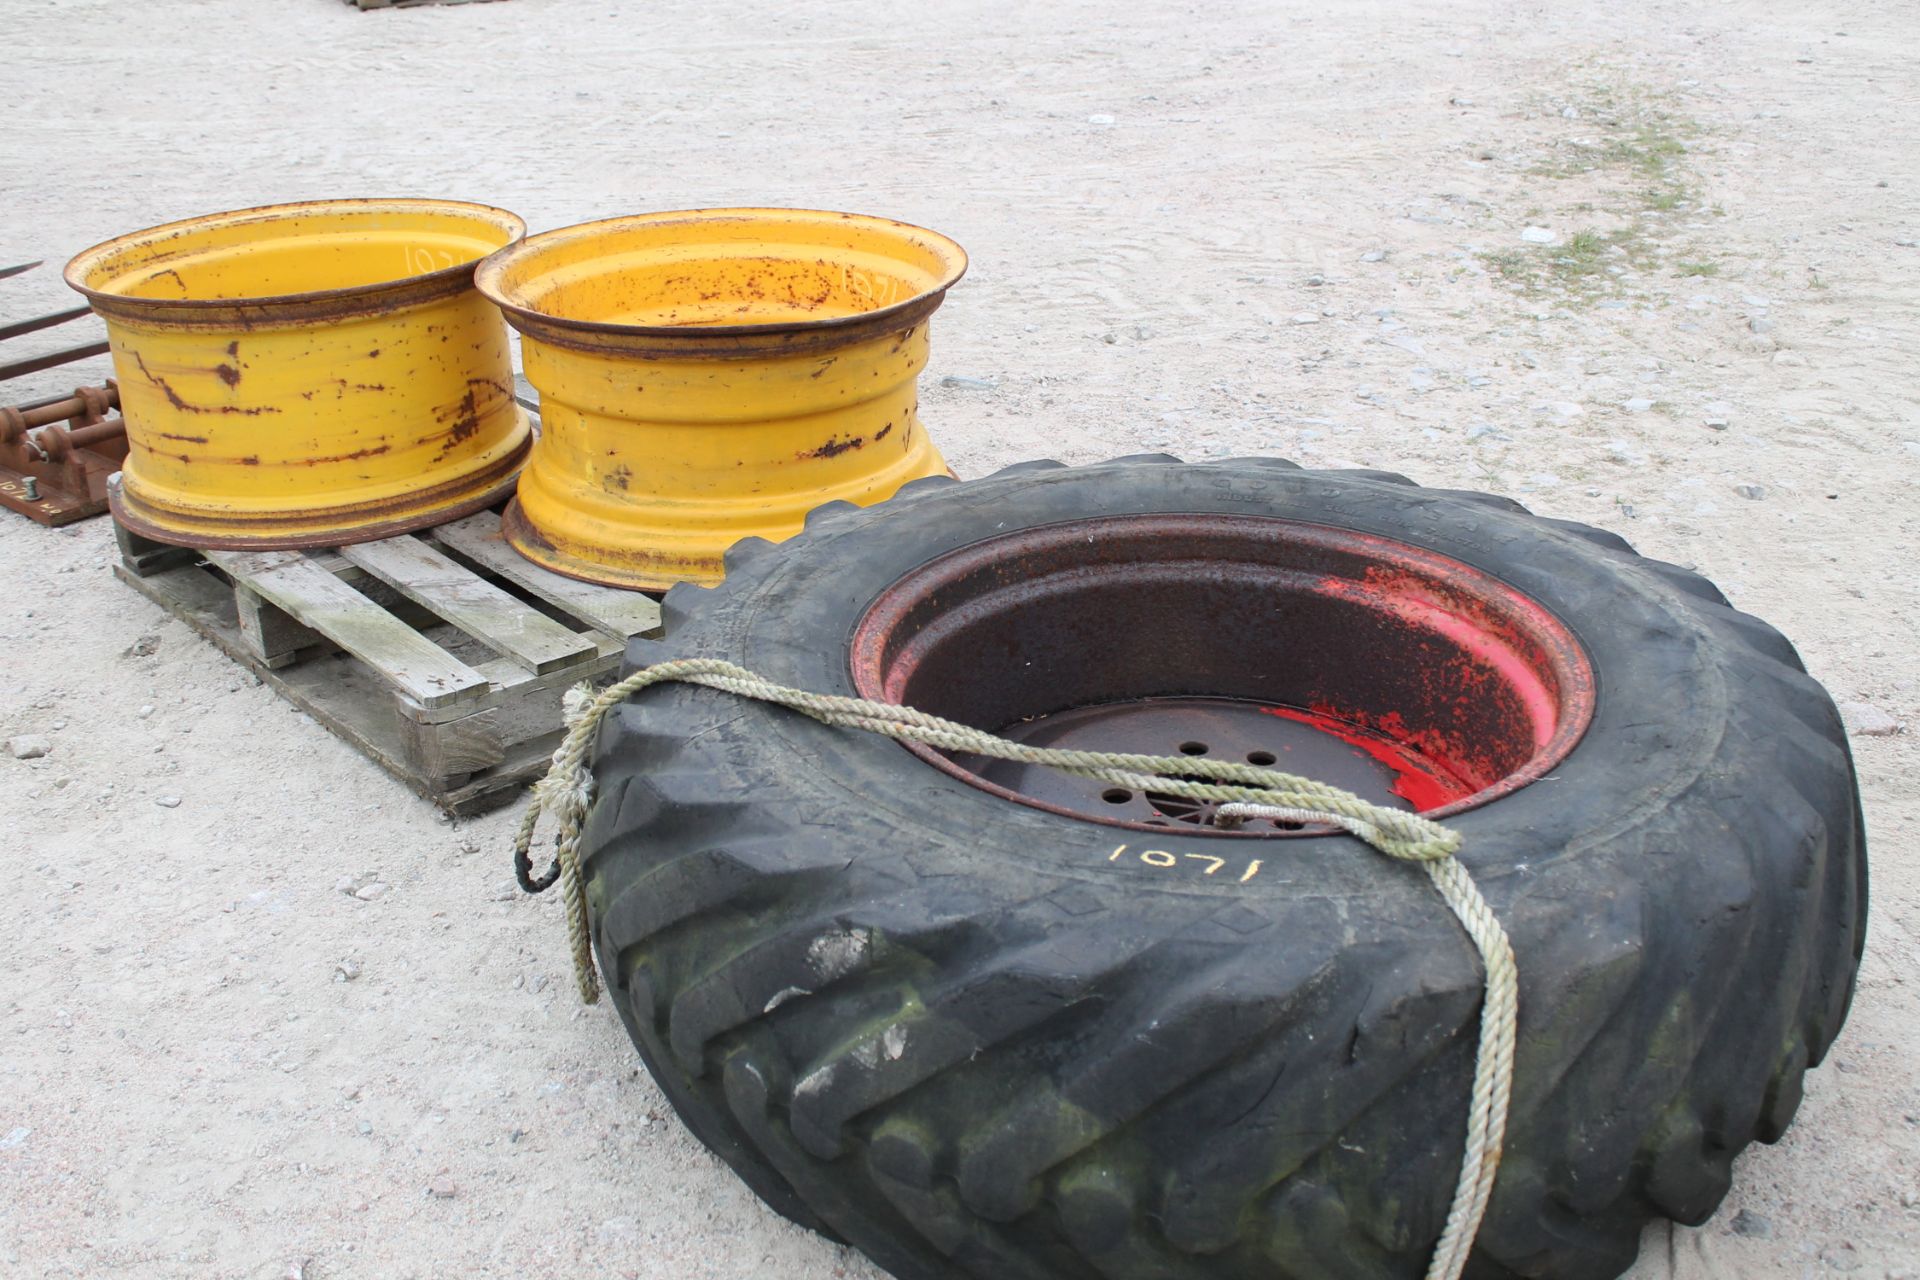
[(1406, 676)]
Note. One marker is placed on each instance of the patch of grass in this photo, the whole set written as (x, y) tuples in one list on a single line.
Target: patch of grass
[(1587, 245), (1578, 266), (1580, 257), (1558, 169), (1511, 263), (1642, 140), (1631, 148), (1650, 149)]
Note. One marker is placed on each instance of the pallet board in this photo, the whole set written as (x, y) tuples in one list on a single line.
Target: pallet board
[(321, 603), (429, 579), (443, 656)]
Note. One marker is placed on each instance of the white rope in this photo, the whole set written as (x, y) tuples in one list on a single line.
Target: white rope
[(1242, 791), (1493, 1062)]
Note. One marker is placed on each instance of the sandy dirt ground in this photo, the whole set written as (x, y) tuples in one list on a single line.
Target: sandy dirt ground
[(1313, 230)]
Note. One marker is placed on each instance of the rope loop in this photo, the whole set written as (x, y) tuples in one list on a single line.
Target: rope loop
[(1242, 791)]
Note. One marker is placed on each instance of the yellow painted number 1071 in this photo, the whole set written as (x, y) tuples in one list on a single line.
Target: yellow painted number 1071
[(1162, 859)]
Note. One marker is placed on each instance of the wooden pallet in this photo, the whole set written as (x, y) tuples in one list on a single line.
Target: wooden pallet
[(443, 655)]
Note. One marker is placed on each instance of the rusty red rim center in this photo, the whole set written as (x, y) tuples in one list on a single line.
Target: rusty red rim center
[(1405, 676)]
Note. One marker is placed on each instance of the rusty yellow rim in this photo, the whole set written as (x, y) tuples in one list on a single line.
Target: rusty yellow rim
[(712, 375), (308, 374)]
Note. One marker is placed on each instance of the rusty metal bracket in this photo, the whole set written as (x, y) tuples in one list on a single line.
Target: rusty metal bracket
[(56, 472), (56, 453)]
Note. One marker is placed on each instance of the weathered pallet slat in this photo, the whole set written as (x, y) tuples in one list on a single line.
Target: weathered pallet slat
[(478, 539), (425, 662), (485, 612), (316, 599)]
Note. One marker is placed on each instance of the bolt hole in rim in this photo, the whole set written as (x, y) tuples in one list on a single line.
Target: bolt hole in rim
[(1405, 676)]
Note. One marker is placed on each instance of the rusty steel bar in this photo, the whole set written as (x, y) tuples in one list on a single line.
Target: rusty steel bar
[(41, 403), (21, 368), (81, 437), (38, 323), (57, 443), (25, 266), (87, 402)]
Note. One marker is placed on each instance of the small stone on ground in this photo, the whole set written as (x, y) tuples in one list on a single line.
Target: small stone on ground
[(29, 746), (1864, 720)]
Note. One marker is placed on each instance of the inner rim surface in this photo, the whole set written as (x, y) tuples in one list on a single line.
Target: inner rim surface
[(288, 255), (1407, 677), (723, 272)]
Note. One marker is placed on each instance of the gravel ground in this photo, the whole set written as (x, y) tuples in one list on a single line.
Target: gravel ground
[(1646, 264)]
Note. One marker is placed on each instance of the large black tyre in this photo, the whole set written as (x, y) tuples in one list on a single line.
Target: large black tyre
[(943, 1027)]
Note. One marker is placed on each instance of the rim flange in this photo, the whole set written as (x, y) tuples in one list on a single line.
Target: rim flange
[(1562, 657)]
